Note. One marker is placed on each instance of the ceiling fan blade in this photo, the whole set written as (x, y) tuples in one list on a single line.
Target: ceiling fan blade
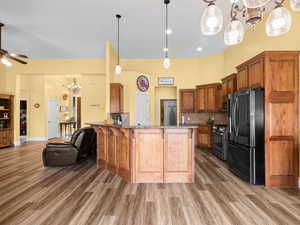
[(2, 51), (18, 55), (17, 60)]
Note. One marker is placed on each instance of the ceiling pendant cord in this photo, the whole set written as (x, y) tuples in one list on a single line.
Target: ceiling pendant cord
[(166, 32), (118, 38)]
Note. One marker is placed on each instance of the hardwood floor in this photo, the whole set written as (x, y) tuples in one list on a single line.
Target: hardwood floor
[(82, 194)]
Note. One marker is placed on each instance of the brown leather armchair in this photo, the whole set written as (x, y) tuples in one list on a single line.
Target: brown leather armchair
[(81, 146)]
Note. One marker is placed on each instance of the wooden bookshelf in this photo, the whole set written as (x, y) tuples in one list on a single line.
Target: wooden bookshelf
[(6, 121)]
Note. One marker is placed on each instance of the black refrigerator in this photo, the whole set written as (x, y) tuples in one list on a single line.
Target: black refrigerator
[(246, 135)]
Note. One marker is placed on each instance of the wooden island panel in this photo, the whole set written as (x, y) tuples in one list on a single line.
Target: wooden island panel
[(150, 155)]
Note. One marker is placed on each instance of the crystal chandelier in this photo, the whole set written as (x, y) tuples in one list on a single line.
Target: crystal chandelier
[(278, 23), (74, 87)]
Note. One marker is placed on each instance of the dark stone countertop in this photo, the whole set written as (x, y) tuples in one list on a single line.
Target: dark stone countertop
[(143, 127)]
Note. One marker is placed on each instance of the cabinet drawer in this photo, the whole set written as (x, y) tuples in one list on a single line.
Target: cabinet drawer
[(205, 129)]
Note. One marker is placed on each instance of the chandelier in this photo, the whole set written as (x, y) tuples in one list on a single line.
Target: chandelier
[(278, 22), (74, 87)]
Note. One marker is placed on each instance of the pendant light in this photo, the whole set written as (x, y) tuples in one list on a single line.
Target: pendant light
[(167, 62), (234, 32), (295, 5), (255, 3), (279, 21), (118, 68), (212, 19)]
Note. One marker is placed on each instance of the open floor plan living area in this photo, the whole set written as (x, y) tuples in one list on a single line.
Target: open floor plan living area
[(159, 112)]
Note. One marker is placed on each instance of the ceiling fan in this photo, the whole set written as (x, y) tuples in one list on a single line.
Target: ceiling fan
[(5, 55)]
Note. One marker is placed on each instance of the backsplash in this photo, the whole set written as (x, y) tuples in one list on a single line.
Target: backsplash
[(201, 118)]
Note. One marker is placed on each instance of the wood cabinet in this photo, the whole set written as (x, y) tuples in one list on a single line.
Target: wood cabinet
[(205, 136), (228, 87), (187, 100), (154, 155), (116, 98), (278, 73), (6, 120), (251, 74), (208, 98), (242, 78)]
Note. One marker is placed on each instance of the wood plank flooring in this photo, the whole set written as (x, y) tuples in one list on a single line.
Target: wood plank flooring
[(84, 195)]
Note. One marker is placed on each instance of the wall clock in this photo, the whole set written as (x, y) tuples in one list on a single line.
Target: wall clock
[(142, 83)]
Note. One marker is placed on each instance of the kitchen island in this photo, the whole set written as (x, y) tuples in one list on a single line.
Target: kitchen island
[(147, 154)]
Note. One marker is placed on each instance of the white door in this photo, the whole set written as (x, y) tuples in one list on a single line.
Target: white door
[(53, 117), (170, 113), (143, 109)]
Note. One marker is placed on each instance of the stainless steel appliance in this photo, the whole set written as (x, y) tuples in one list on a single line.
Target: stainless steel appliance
[(220, 141), (246, 135)]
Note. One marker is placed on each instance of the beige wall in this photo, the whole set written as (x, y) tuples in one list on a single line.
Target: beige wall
[(257, 41), (2, 78)]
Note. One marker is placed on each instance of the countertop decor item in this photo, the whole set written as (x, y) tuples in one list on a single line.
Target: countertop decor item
[(142, 83)]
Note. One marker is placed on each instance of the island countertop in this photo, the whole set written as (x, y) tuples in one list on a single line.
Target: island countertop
[(143, 127), (147, 154)]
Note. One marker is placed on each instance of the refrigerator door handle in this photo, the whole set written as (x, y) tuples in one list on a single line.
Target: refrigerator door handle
[(237, 117), (233, 116)]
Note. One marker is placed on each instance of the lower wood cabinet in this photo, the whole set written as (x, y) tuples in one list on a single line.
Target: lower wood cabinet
[(205, 136), (5, 138)]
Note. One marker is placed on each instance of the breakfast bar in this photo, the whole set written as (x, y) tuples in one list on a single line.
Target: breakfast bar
[(147, 154)]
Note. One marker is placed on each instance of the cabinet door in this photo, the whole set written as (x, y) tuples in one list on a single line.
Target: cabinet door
[(116, 98), (212, 99), (256, 74), (231, 85), (242, 79), (201, 99), (187, 101), (204, 140), (178, 160), (149, 150)]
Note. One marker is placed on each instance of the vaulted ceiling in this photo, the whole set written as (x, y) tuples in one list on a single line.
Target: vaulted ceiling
[(79, 28)]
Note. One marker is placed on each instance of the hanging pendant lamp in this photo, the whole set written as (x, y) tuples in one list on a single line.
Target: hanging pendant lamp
[(279, 21), (167, 62), (212, 19), (118, 68)]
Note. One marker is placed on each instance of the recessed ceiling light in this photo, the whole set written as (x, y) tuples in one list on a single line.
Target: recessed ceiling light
[(169, 31), (199, 49)]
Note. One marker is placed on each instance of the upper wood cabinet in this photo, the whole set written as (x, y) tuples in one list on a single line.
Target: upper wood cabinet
[(228, 87), (251, 74), (242, 78), (208, 98), (187, 100), (116, 98)]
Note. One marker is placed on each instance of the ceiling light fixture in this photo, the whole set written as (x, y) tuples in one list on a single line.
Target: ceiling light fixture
[(167, 62), (278, 23), (5, 55), (118, 68), (74, 87), (199, 49), (212, 19), (234, 31)]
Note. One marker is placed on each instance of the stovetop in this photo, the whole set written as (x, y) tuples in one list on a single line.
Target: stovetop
[(220, 127)]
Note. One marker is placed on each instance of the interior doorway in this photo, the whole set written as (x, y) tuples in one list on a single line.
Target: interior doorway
[(168, 112), (53, 118), (23, 120), (76, 108), (142, 109)]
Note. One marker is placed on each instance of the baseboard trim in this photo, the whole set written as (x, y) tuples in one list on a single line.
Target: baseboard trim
[(17, 143), (37, 139)]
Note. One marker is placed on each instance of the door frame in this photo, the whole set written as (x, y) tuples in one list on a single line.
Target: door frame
[(27, 118), (57, 134), (159, 109)]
